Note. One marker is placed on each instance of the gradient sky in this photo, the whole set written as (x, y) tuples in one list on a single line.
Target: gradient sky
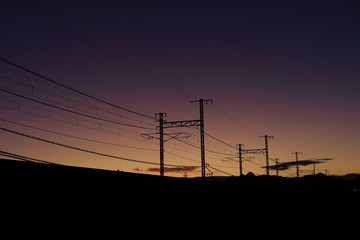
[(289, 69)]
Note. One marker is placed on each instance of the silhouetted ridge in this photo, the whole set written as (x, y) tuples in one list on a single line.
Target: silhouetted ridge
[(47, 201), (250, 175)]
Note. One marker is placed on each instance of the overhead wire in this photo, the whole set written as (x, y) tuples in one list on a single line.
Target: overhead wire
[(24, 158), (58, 88), (234, 119), (75, 90), (208, 150), (86, 150), (93, 140), (106, 50), (52, 116), (70, 111), (102, 142), (102, 48), (209, 143), (195, 146), (70, 29), (69, 100), (284, 146), (220, 141), (218, 109), (84, 126), (63, 109), (77, 137), (102, 130), (187, 143), (209, 166)]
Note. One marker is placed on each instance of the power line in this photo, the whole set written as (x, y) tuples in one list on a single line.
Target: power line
[(85, 150), (92, 140), (206, 149), (233, 119), (257, 164), (127, 62), (99, 129), (281, 144), (77, 137), (24, 158), (84, 126), (218, 109), (220, 170), (212, 137), (51, 115), (193, 160), (75, 90), (59, 88), (98, 141), (209, 143), (69, 101), (70, 111), (105, 50), (220, 141), (176, 123)]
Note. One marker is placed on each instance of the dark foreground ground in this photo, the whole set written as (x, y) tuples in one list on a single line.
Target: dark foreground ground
[(42, 201)]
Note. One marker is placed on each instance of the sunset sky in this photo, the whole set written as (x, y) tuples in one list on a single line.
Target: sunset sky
[(288, 69)]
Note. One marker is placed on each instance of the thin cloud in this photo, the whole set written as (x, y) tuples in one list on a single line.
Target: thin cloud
[(287, 165), (175, 169), (170, 170), (138, 170)]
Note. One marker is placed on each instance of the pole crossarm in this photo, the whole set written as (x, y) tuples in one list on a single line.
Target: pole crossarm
[(227, 159), (254, 151), (240, 152), (297, 163), (203, 100), (200, 123), (185, 123), (177, 135), (170, 136), (210, 174)]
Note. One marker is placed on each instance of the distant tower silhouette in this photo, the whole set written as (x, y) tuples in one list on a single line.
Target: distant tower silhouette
[(297, 163), (267, 152), (239, 147)]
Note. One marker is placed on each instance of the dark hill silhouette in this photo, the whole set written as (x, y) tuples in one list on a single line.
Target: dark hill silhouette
[(250, 174), (350, 176), (47, 201)]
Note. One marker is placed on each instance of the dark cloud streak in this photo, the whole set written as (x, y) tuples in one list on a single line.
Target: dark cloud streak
[(170, 170), (287, 165)]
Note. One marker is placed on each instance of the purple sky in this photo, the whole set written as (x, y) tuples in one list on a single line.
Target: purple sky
[(284, 68)]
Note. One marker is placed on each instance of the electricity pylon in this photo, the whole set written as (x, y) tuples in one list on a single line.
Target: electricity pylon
[(239, 148), (160, 118), (193, 123), (297, 163), (267, 152)]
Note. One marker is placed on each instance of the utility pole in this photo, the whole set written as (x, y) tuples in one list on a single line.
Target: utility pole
[(277, 166), (202, 134), (193, 123), (314, 169), (160, 117), (239, 147), (297, 163), (267, 152), (160, 135)]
